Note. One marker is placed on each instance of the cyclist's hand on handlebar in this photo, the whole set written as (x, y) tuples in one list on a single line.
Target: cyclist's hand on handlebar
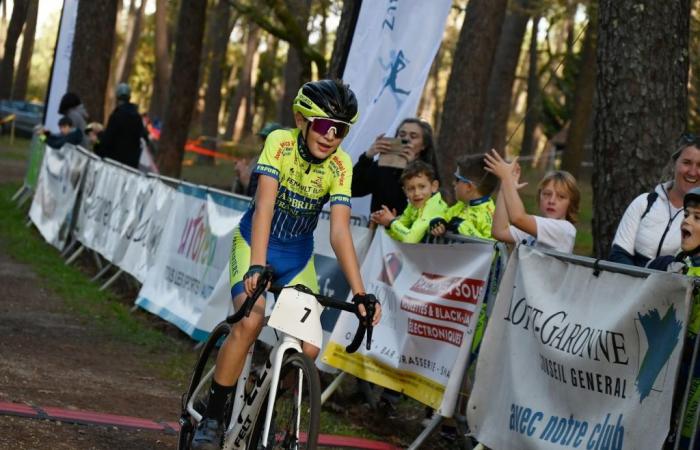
[(250, 279), (361, 299)]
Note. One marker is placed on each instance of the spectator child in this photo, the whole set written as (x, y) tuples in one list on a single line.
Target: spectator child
[(472, 215), (68, 134), (558, 196), (92, 130), (689, 256), (424, 204)]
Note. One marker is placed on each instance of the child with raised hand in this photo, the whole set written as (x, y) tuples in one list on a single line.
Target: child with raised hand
[(424, 204), (472, 214), (558, 199)]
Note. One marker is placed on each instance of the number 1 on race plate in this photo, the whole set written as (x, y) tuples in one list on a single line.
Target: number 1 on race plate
[(298, 314)]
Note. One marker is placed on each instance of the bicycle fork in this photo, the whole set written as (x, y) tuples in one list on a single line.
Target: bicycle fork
[(249, 404)]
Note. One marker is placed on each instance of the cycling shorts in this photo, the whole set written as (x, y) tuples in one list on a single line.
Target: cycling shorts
[(290, 265)]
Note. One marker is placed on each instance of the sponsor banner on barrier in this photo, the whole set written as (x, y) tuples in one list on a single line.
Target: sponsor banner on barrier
[(56, 192), (189, 285), (126, 229), (574, 360), (431, 295)]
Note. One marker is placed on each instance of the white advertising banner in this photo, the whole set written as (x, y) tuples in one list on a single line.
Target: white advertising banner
[(189, 285), (57, 189), (574, 360), (125, 227), (392, 49), (431, 295), (61, 63)]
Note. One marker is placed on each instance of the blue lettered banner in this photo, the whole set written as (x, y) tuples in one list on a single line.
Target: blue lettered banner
[(574, 360), (389, 60)]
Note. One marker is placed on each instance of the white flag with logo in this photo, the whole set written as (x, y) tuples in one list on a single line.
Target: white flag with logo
[(389, 60)]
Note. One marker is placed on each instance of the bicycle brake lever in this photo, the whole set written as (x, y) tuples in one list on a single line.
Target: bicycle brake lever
[(369, 318), (357, 340)]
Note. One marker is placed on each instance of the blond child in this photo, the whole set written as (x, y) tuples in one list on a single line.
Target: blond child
[(558, 199), (424, 203)]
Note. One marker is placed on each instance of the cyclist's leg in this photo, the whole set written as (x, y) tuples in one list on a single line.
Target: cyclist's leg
[(243, 334), (232, 353), (307, 277)]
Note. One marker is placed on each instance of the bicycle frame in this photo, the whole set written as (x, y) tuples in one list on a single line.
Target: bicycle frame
[(291, 330), (246, 407)]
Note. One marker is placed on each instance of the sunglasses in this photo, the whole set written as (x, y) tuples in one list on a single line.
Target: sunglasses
[(686, 140), (322, 125), (459, 177)]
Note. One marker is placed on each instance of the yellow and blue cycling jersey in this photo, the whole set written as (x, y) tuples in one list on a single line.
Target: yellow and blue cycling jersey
[(303, 188), (474, 219)]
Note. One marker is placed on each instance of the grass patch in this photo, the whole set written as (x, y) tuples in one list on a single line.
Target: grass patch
[(16, 150), (83, 297)]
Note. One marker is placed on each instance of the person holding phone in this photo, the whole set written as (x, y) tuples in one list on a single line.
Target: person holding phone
[(413, 140)]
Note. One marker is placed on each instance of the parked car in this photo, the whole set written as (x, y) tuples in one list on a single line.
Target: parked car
[(27, 115)]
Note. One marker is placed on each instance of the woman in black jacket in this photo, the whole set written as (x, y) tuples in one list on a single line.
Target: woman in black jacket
[(382, 182)]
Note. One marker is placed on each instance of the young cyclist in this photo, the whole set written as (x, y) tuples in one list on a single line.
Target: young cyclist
[(424, 204), (558, 202), (299, 170), (472, 214)]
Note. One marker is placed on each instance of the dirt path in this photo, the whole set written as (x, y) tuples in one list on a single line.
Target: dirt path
[(50, 358)]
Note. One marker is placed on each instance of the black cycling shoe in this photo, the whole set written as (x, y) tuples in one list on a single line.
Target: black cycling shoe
[(208, 435)]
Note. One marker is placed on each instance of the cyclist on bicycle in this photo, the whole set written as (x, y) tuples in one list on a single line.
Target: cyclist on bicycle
[(299, 170)]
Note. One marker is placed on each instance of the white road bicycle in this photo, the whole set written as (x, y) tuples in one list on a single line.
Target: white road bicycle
[(279, 406)]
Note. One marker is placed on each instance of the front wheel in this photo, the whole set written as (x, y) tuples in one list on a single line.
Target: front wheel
[(295, 416), (206, 361)]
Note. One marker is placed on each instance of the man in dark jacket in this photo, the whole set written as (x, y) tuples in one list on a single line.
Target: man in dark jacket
[(121, 140)]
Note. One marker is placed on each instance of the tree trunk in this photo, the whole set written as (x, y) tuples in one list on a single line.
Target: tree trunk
[(217, 66), (583, 104), (89, 67), (243, 87), (297, 70), (133, 34), (162, 77), (19, 87), (123, 62), (343, 37), (534, 107), (500, 92), (7, 68), (641, 108), (465, 100), (182, 93), (266, 85)]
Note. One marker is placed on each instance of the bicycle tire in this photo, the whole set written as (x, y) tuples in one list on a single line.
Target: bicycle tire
[(207, 357), (283, 424)]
